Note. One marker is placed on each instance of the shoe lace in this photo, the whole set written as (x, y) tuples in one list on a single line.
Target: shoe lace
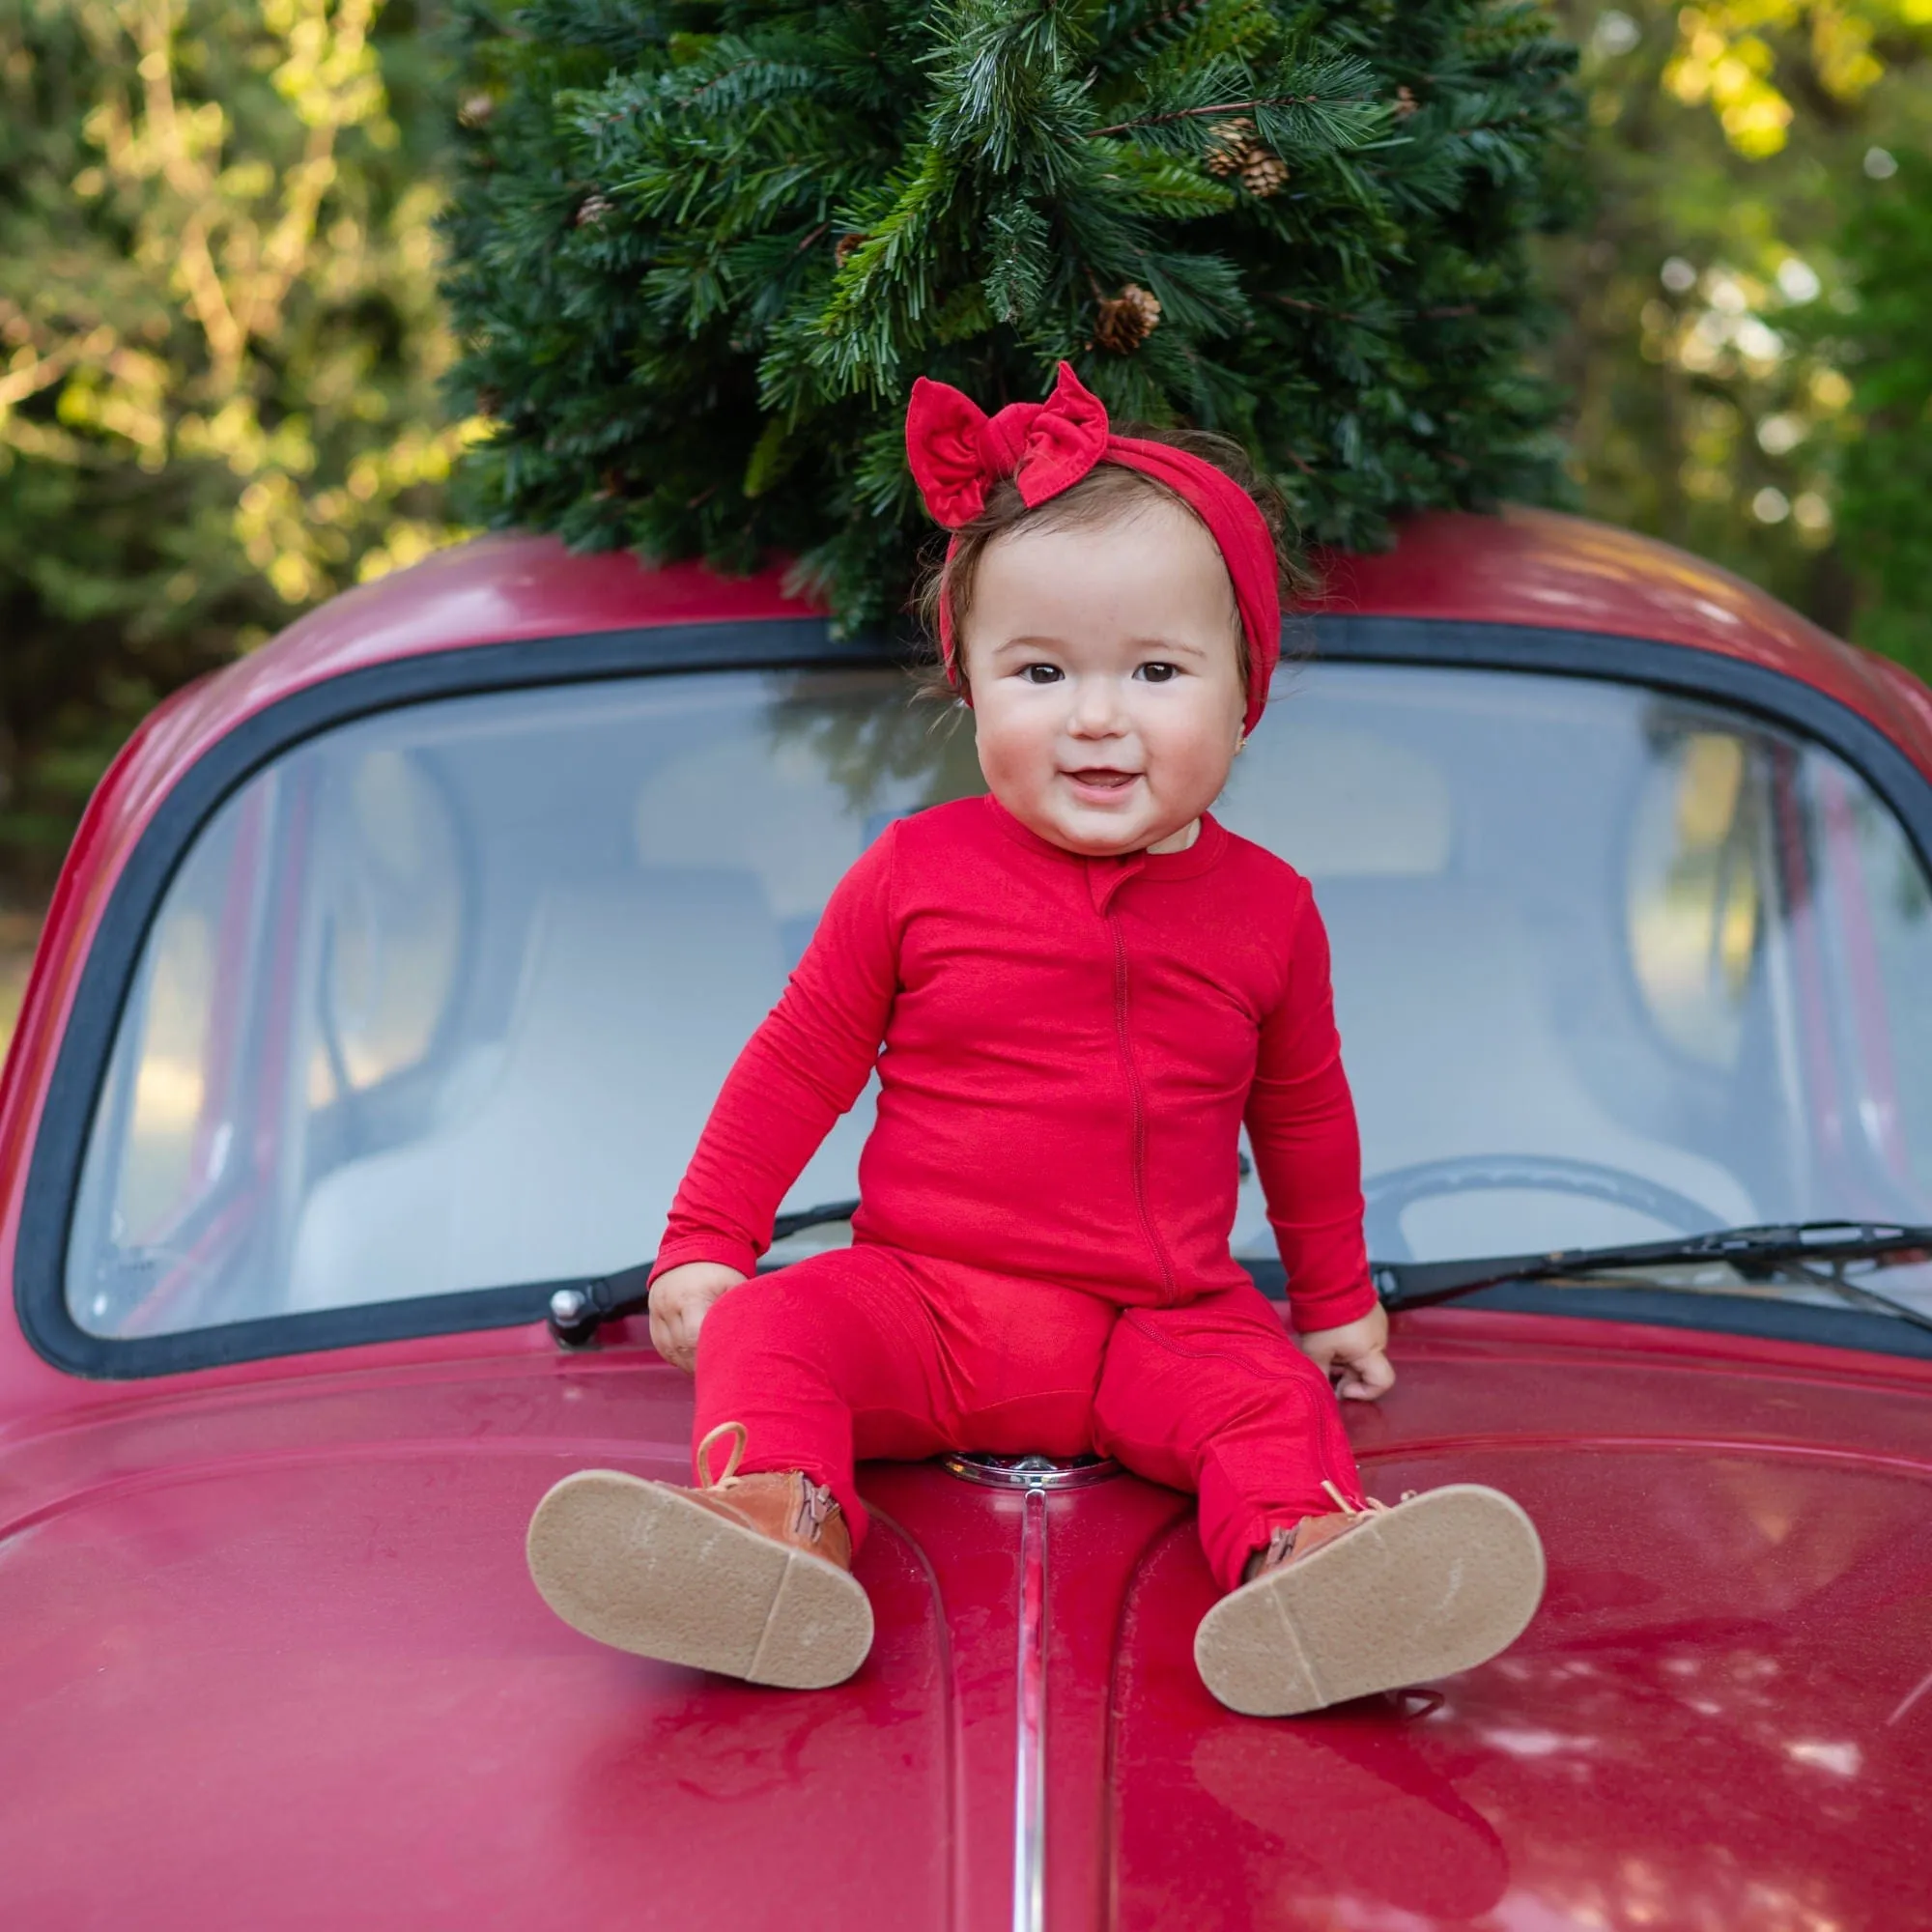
[(1368, 1505), (816, 1501), (729, 1479)]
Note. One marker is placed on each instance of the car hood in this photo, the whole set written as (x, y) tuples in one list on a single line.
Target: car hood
[(269, 1655)]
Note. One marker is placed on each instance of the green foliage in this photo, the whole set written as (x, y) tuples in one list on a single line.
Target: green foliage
[(1884, 492), (220, 345), (700, 251), (1730, 145)]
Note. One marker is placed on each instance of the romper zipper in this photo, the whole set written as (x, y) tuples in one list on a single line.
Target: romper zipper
[(1138, 1104)]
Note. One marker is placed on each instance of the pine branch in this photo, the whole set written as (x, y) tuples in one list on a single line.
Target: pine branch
[(1017, 277), (696, 272), (1218, 107)]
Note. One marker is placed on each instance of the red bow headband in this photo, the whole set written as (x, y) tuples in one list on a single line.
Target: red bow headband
[(957, 452)]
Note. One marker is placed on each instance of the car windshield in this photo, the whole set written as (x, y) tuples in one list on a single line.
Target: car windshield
[(440, 998)]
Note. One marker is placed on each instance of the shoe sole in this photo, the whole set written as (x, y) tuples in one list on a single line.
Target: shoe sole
[(1431, 1587), (635, 1565)]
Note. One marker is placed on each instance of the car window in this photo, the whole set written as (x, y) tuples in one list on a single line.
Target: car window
[(1883, 921), (440, 999), (388, 894), (1673, 955), (175, 1112)]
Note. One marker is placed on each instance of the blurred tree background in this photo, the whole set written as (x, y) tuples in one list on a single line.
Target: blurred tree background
[(220, 350), (1749, 296), (222, 347)]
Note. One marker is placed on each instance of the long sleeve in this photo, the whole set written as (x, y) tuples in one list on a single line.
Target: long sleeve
[(1300, 1119), (805, 1067)]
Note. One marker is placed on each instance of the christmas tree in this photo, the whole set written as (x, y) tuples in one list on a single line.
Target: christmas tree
[(700, 252)]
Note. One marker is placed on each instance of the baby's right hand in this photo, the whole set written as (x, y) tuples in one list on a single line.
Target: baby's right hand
[(680, 1297)]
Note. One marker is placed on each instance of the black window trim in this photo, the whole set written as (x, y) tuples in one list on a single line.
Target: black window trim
[(81, 1066)]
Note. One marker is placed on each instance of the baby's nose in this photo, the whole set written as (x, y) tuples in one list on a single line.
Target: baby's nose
[(1096, 706)]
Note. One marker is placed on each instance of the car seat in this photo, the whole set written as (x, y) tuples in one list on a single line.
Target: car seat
[(559, 1146)]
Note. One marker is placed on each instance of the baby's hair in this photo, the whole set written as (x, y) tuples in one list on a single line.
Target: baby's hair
[(1107, 491)]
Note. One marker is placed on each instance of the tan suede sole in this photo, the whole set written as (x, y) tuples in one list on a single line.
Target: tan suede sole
[(1429, 1587), (636, 1565)]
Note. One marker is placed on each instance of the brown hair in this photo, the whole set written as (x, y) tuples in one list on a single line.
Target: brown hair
[(1107, 491)]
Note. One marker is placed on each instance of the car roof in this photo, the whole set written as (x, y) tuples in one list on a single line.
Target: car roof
[(1543, 571), (1525, 568)]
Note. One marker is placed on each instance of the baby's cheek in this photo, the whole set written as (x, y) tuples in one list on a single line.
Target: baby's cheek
[(1015, 751), (1195, 756)]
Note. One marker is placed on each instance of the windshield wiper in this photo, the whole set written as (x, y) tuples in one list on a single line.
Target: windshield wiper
[(577, 1309), (1796, 1249), (580, 1308)]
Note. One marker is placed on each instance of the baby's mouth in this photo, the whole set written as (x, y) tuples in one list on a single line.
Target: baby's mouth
[(1102, 778)]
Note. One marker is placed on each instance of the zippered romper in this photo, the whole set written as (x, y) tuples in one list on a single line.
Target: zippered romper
[(1066, 1049)]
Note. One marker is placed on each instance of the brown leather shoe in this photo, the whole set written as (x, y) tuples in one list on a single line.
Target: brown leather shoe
[(1360, 1601), (1305, 1538), (748, 1575)]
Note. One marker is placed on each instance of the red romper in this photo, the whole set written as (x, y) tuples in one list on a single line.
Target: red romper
[(1040, 1261)]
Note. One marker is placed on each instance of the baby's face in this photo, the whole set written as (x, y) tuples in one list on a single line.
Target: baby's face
[(1105, 672)]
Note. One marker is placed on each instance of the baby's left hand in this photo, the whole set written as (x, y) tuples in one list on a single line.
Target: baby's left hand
[(1357, 1349)]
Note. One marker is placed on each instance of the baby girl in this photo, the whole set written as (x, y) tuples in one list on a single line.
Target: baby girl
[(1074, 992)]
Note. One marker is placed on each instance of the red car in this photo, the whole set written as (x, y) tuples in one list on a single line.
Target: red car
[(383, 997)]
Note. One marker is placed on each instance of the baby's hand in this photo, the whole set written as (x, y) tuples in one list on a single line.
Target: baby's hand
[(680, 1297), (1357, 1347)]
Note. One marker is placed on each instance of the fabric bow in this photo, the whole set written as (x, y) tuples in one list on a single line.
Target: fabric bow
[(957, 452)]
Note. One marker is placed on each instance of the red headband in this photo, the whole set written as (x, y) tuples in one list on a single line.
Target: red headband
[(957, 452)]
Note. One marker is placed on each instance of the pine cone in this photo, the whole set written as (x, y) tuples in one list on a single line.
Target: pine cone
[(843, 249), (475, 109), (1232, 140), (592, 209), (1405, 102), (1237, 149), (489, 398), (1126, 321), (1262, 173)]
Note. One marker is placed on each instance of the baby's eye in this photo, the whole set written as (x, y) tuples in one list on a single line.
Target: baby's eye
[(1159, 674), (1040, 674)]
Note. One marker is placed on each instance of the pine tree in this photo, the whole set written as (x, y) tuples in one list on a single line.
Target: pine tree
[(701, 250)]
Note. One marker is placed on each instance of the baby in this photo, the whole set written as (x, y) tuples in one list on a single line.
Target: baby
[(1075, 992)]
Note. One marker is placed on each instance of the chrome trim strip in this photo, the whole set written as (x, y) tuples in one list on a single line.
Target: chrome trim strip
[(1030, 1753), (1029, 1472), (1036, 1477)]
